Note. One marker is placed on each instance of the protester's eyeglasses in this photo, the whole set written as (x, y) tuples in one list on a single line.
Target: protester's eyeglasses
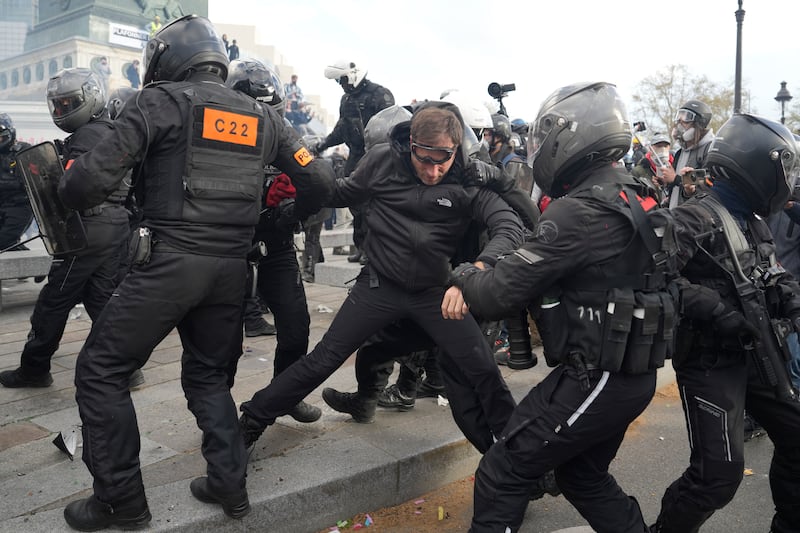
[(436, 155)]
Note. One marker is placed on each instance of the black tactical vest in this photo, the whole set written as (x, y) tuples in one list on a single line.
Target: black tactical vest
[(622, 320), (219, 179)]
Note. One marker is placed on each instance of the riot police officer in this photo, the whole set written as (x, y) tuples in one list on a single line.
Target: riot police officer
[(278, 283), (88, 276), (720, 355), (574, 420), (362, 98), (15, 209), (198, 151)]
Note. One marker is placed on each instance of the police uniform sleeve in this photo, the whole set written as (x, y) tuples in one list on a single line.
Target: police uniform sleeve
[(559, 248), (383, 98), (502, 224), (312, 178), (94, 175)]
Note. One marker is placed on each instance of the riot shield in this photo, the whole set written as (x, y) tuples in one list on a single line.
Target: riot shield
[(61, 228)]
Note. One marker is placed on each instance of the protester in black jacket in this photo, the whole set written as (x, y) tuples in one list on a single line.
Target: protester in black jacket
[(418, 202)]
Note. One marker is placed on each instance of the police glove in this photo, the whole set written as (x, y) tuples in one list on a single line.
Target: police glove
[(318, 148), (461, 272), (483, 173), (284, 216), (729, 321)]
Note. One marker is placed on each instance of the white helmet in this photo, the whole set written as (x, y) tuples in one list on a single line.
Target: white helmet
[(346, 69), (475, 114)]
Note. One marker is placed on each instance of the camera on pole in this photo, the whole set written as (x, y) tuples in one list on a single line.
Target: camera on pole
[(498, 92)]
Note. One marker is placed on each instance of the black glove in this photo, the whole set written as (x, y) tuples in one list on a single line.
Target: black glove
[(318, 148), (461, 272), (482, 173), (284, 216), (729, 321)]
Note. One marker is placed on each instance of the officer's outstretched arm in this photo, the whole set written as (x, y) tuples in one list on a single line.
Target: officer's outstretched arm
[(312, 177)]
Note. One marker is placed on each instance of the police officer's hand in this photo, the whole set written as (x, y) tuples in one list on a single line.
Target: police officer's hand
[(453, 305), (461, 272), (482, 173), (285, 218), (729, 321), (318, 148)]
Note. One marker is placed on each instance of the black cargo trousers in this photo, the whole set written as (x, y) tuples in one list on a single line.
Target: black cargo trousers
[(575, 430), (88, 276), (202, 296), (716, 386)]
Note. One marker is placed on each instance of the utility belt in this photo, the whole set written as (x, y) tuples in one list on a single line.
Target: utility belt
[(96, 210), (632, 332)]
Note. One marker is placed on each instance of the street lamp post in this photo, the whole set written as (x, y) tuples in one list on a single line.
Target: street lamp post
[(737, 88), (783, 96)]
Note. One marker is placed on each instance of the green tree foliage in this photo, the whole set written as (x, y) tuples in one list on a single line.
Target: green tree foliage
[(659, 96)]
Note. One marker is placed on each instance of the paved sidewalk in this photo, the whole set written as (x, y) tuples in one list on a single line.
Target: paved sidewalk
[(302, 477)]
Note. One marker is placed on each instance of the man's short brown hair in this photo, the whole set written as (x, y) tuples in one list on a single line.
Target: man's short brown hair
[(430, 122)]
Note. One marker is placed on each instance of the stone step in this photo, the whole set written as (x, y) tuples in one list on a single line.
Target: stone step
[(336, 273)]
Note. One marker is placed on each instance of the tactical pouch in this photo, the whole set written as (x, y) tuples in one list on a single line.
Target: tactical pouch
[(642, 341), (552, 321), (140, 247), (667, 329), (616, 328)]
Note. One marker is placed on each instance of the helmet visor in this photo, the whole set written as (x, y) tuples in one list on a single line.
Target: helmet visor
[(61, 106), (685, 115), (537, 134), (150, 54), (791, 167)]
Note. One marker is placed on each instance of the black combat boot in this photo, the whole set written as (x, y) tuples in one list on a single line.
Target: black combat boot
[(545, 485), (16, 379), (362, 410), (305, 413), (393, 398), (90, 514), (355, 257), (235, 504)]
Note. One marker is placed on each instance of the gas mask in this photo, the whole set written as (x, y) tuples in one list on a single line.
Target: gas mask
[(683, 135)]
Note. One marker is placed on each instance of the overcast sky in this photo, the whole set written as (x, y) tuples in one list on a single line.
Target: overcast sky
[(428, 46)]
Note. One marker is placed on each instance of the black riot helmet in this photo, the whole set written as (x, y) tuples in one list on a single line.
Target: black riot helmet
[(75, 97), (759, 158), (185, 45), (8, 135), (501, 127), (117, 100), (694, 111), (380, 125), (257, 80), (577, 126)]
